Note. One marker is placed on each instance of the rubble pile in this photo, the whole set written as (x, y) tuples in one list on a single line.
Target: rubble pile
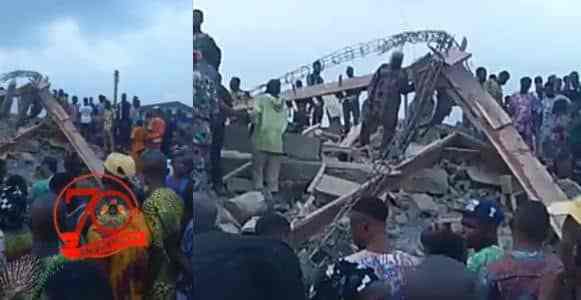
[(24, 148), (26, 154)]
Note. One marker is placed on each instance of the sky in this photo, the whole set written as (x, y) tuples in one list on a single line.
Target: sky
[(260, 40), (79, 44)]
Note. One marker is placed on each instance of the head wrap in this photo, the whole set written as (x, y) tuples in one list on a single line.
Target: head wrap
[(120, 165)]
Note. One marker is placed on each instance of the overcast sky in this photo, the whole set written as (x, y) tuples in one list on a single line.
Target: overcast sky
[(79, 44), (261, 39)]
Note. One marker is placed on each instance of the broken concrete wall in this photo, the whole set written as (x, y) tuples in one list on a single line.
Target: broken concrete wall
[(297, 146)]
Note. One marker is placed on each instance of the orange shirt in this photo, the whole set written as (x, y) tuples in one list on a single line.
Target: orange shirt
[(138, 136), (155, 131)]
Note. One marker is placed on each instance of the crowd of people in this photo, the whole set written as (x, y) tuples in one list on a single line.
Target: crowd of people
[(547, 115), (124, 127), (159, 271), (465, 265)]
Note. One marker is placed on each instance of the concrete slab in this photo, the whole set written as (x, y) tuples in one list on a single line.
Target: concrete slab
[(237, 138), (237, 185), (298, 146), (431, 181), (425, 203), (335, 186), (481, 174), (246, 206), (302, 147)]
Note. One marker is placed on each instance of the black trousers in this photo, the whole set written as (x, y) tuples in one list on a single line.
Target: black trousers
[(351, 108), (318, 111), (218, 131)]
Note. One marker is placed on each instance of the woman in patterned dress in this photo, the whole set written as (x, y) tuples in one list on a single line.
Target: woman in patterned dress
[(127, 269), (163, 210)]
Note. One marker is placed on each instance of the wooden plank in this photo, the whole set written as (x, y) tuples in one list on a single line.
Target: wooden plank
[(456, 56), (61, 118), (304, 229), (20, 134), (328, 88), (237, 171), (311, 129), (335, 186), (317, 179), (478, 99), (531, 174)]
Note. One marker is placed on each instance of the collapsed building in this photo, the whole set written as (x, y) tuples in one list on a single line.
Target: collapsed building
[(429, 169), (25, 138)]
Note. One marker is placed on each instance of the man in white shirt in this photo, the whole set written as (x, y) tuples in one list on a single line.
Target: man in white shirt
[(86, 112)]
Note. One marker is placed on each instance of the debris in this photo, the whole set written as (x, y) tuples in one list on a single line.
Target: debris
[(432, 181), (27, 157), (479, 173), (401, 218), (302, 147), (246, 206), (311, 129), (426, 204), (238, 184), (335, 186), (229, 228), (225, 217), (237, 171), (250, 226), (352, 136)]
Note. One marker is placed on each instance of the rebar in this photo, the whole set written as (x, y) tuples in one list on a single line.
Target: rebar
[(439, 40)]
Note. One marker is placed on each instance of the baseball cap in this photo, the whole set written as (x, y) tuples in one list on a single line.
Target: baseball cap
[(485, 210), (120, 165)]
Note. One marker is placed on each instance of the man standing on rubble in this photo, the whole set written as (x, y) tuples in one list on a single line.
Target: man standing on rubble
[(315, 78), (503, 79), (210, 52), (270, 119), (239, 97), (86, 119), (492, 86), (75, 107), (124, 122), (351, 103), (205, 104), (389, 82)]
